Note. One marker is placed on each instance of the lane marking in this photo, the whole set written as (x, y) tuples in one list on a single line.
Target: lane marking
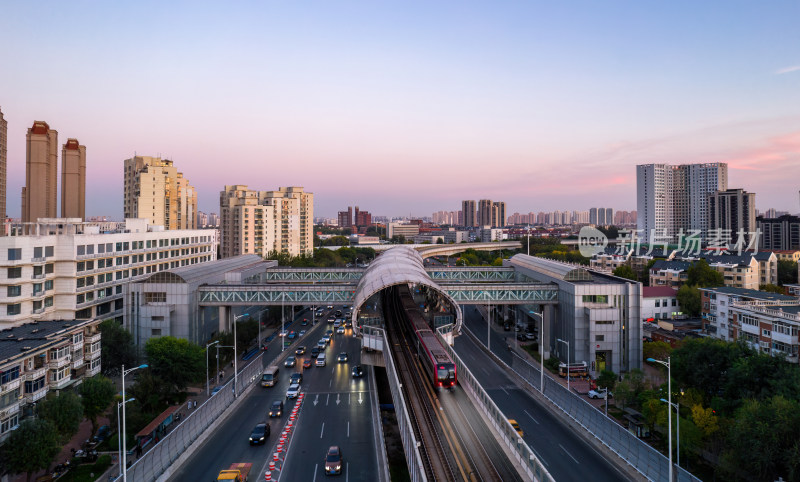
[(323, 431), (531, 416), (347, 471), (506, 391), (348, 428), (568, 454), (315, 472), (328, 399)]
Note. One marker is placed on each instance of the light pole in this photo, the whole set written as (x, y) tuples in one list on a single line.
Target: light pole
[(669, 413), (283, 328), (208, 380), (529, 240), (119, 433), (677, 407), (541, 350), (235, 355), (124, 433), (568, 370)]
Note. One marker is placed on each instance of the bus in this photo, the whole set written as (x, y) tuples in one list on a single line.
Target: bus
[(270, 376), (576, 370)]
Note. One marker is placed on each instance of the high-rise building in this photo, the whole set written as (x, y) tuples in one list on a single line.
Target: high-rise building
[(155, 190), (674, 198), (3, 167), (734, 210), (362, 219), (260, 222), (484, 217), (73, 180), (345, 218), (498, 214), (468, 214), (782, 233), (39, 196)]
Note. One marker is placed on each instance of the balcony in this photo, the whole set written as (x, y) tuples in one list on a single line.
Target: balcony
[(10, 410), (92, 339), (92, 372), (37, 395), (12, 385), (35, 374), (60, 362), (77, 363), (63, 383), (91, 356)]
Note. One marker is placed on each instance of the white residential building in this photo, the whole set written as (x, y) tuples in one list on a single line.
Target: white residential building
[(64, 269)]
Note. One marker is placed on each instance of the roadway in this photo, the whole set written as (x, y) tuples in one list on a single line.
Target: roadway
[(564, 453), (229, 442)]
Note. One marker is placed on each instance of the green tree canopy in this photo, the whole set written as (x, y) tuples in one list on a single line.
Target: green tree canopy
[(31, 447), (787, 272), (689, 300), (117, 347), (64, 410), (701, 275), (97, 393), (607, 379), (625, 271), (771, 288), (176, 361), (659, 350)]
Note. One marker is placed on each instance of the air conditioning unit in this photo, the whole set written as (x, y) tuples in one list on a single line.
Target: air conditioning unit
[(3, 413), (30, 364)]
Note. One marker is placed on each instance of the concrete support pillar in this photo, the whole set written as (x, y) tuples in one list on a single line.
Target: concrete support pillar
[(548, 320), (224, 314)]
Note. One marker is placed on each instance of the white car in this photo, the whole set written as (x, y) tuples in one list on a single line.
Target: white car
[(600, 393), (293, 390)]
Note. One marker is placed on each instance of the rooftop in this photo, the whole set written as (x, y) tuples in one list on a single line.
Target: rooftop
[(30, 336), (753, 294), (211, 272), (658, 291)]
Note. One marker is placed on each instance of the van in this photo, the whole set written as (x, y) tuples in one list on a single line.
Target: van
[(270, 376), (321, 360)]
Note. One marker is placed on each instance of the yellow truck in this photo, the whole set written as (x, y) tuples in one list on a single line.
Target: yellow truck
[(237, 472)]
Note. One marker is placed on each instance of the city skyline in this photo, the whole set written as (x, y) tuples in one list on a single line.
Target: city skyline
[(544, 106)]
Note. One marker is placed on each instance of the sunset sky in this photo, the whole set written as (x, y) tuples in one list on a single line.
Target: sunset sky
[(410, 107)]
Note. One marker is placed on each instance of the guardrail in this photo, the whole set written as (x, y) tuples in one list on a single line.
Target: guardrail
[(410, 444), (645, 459), (534, 469), (158, 459)]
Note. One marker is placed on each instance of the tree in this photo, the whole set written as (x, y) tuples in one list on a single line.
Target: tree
[(117, 347), (689, 299), (607, 379), (701, 275), (771, 288), (97, 393), (176, 361), (31, 447), (787, 272), (625, 271), (705, 419), (704, 364), (659, 350), (149, 391), (64, 411)]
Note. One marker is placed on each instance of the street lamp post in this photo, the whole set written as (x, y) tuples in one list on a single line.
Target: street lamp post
[(235, 355), (669, 401), (568, 370), (677, 407), (529, 240), (119, 438), (124, 432), (208, 380)]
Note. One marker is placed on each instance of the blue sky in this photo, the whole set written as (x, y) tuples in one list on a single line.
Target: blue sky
[(407, 108)]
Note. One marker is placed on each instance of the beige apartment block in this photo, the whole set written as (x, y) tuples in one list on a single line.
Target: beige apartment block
[(155, 190), (260, 222), (73, 180), (3, 169), (39, 196), (64, 269)]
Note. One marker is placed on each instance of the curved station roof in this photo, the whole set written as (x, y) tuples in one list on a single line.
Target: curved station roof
[(396, 266)]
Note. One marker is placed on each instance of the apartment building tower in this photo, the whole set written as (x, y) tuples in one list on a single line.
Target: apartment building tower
[(260, 222), (491, 213), (734, 210), (673, 198), (782, 233), (468, 214), (3, 170), (155, 190), (73, 180), (39, 195)]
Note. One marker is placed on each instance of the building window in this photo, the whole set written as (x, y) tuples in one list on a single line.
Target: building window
[(48, 285), (35, 385), (48, 302), (9, 375), (14, 254), (156, 332), (766, 332), (14, 273), (81, 249), (14, 291), (658, 303), (37, 288), (13, 309), (600, 338), (9, 424), (38, 251)]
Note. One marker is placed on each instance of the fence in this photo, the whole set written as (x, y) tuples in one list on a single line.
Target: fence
[(410, 444), (645, 459), (156, 460), (508, 436)]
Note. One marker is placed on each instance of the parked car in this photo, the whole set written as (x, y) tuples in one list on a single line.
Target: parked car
[(530, 336), (259, 434), (215, 390), (600, 393), (276, 409), (333, 460)]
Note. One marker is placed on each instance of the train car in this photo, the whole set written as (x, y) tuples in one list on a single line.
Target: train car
[(436, 361)]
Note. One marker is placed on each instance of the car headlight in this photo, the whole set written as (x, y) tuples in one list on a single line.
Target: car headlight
[(338, 467), (251, 439), (262, 438)]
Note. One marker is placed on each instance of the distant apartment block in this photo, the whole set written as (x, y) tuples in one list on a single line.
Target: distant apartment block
[(260, 222), (41, 357), (673, 198), (468, 214), (491, 213), (782, 233), (768, 322), (747, 271), (601, 216), (155, 190), (41, 169), (406, 230), (66, 269), (3, 170), (733, 210), (73, 180), (659, 303), (450, 218)]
